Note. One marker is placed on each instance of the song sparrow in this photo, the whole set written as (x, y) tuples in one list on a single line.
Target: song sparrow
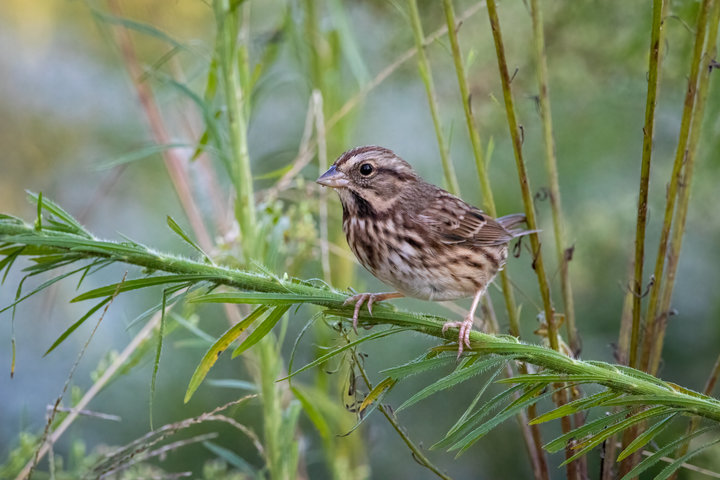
[(417, 237)]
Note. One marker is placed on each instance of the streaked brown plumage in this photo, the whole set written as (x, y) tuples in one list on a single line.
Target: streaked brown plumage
[(417, 237)]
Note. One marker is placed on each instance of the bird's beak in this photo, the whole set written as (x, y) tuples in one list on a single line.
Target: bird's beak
[(333, 178)]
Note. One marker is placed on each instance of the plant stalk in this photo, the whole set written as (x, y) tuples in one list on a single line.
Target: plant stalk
[(538, 263), (236, 98), (684, 190), (426, 75), (534, 440), (625, 380), (563, 252), (675, 181)]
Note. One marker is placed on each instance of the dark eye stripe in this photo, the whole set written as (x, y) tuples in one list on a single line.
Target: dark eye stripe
[(391, 171)]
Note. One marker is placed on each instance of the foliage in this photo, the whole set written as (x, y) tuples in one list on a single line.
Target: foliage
[(259, 264)]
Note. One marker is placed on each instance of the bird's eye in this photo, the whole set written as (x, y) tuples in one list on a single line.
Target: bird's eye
[(366, 169)]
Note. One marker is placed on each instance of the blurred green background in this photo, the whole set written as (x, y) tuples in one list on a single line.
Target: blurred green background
[(68, 110)]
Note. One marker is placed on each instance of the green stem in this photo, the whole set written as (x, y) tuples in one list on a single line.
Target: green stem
[(684, 184), (426, 75), (675, 181), (626, 380), (534, 441), (538, 263), (656, 39), (236, 98), (552, 170)]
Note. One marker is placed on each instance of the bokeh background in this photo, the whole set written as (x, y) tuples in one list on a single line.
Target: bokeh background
[(69, 113)]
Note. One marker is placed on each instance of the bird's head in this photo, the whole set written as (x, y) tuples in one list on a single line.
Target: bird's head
[(369, 180)]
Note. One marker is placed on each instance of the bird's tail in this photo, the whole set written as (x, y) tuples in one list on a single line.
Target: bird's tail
[(511, 222)]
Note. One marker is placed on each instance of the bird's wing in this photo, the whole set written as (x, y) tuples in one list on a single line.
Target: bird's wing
[(451, 220)]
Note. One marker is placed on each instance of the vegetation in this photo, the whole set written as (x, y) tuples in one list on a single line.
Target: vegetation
[(298, 395)]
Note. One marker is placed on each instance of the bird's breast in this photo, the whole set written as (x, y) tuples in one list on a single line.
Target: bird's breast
[(418, 265)]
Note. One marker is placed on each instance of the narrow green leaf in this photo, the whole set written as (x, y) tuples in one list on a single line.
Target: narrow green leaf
[(172, 298), (343, 348), (38, 220), (530, 398), (261, 330), (645, 437), (217, 348), (306, 327), (59, 212), (588, 444), (313, 413), (75, 325), (423, 363), (178, 229), (631, 372), (554, 378), (139, 27), (670, 469), (459, 375), (139, 154), (664, 451), (530, 392), (232, 458), (42, 287), (201, 145), (194, 329), (462, 429), (264, 298), (4, 217), (588, 429), (576, 406), (463, 418), (233, 383), (660, 399), (141, 283), (158, 352), (7, 262)]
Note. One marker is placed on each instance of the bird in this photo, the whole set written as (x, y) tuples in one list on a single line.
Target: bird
[(416, 237)]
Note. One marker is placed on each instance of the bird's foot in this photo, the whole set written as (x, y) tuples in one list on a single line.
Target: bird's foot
[(370, 298), (464, 329)]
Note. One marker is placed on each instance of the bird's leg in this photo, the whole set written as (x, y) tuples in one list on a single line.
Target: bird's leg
[(370, 298), (466, 325)]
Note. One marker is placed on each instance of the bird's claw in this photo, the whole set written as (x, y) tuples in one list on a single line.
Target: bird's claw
[(464, 329), (359, 299)]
